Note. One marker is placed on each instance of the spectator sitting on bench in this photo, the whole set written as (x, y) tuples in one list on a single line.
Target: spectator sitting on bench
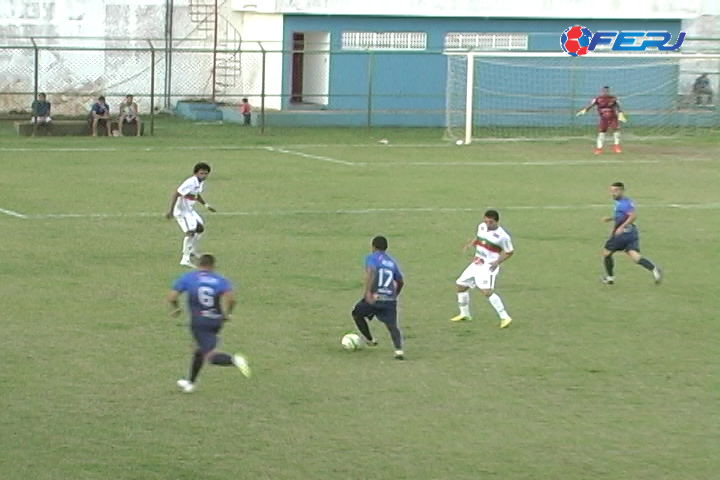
[(702, 90), (129, 115), (41, 113), (100, 115)]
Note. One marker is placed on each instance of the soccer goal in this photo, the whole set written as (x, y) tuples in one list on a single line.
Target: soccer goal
[(526, 95)]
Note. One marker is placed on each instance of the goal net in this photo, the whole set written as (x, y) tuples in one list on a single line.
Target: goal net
[(504, 95)]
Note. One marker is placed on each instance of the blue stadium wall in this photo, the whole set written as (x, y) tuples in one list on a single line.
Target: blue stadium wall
[(408, 88)]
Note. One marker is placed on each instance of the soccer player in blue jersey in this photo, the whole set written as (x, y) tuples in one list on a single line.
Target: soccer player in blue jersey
[(624, 236), (383, 284), (206, 291)]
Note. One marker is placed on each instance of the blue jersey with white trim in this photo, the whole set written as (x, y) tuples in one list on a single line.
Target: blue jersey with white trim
[(204, 289), (386, 274)]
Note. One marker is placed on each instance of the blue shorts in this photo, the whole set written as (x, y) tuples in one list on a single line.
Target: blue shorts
[(625, 242), (205, 333), (385, 311)]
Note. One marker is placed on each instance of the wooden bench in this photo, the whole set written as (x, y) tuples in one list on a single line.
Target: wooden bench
[(64, 128)]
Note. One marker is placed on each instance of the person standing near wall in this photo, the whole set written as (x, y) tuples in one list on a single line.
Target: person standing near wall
[(245, 109)]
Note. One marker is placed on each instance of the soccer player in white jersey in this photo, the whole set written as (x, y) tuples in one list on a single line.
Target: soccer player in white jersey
[(492, 247), (182, 207)]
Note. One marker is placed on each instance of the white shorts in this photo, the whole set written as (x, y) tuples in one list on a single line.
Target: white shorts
[(45, 120), (189, 221), (477, 276)]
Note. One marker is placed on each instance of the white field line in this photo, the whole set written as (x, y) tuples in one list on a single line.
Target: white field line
[(536, 164), (364, 211), (13, 213), (141, 148), (62, 149), (310, 156), (444, 145)]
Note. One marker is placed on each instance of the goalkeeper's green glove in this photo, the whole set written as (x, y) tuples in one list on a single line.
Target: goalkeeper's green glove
[(621, 117), (581, 112)]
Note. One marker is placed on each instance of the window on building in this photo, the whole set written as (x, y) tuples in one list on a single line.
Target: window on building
[(384, 41), (486, 41)]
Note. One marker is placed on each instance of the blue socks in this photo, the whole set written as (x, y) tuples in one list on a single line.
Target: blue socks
[(646, 263), (221, 359), (609, 265), (195, 366)]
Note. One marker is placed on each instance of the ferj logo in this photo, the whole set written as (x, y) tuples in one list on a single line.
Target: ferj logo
[(578, 40)]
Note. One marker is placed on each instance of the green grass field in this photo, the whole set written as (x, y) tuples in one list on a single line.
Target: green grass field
[(589, 382)]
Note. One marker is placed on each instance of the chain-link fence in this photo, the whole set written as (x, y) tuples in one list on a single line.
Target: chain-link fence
[(74, 72), (360, 87)]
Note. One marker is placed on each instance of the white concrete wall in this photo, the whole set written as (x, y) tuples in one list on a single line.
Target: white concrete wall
[(260, 31), (73, 78)]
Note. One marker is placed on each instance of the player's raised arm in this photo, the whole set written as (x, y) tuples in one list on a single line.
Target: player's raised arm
[(584, 110), (173, 200)]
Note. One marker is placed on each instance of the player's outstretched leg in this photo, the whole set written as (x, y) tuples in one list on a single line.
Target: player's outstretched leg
[(463, 300), (499, 307), (646, 263), (609, 264), (242, 364), (360, 314), (224, 360)]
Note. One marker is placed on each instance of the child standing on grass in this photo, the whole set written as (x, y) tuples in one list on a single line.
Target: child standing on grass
[(245, 111)]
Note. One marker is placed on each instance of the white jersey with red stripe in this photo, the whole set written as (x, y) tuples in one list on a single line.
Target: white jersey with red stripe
[(189, 191), (489, 244)]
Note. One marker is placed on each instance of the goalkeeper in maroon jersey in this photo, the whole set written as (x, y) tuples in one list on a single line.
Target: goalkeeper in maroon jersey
[(609, 114)]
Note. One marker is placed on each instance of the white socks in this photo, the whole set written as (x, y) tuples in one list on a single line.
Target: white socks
[(616, 136), (195, 242), (494, 299), (464, 303), (187, 247), (600, 140), (497, 304)]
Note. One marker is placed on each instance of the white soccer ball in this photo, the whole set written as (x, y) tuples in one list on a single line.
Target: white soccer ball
[(351, 342), (459, 142), (385, 141)]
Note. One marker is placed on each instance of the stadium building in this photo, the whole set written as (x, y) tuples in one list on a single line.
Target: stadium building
[(331, 62)]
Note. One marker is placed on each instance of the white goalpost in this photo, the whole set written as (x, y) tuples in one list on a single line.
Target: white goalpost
[(535, 95)]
